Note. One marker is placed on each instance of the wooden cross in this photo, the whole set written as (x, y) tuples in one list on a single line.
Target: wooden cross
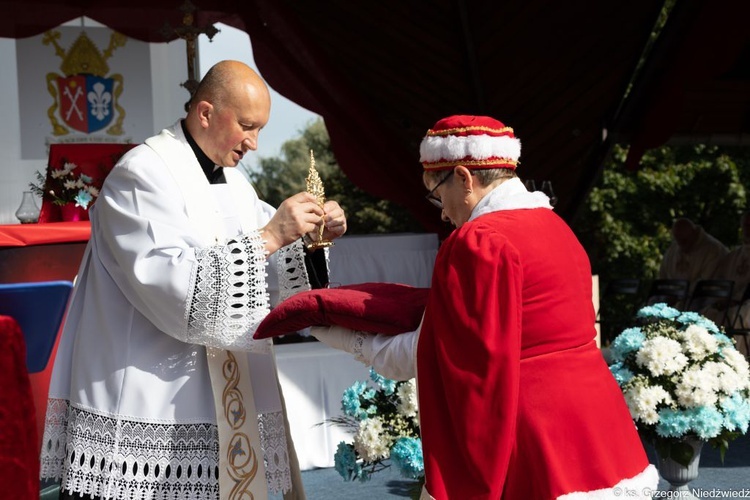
[(189, 32)]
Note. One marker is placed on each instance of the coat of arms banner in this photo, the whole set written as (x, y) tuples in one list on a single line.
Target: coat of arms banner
[(79, 85)]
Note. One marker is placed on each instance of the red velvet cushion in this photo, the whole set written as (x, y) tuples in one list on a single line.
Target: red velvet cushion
[(388, 308)]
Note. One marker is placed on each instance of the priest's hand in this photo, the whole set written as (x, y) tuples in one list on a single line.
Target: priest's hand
[(334, 220), (295, 217)]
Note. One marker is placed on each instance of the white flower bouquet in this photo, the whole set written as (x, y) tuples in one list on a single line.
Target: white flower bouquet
[(682, 378), (67, 185), (384, 419)]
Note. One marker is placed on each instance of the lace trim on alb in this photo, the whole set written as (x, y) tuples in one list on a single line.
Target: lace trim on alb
[(293, 276), (275, 450), (53, 441), (112, 458), (126, 460), (229, 295)]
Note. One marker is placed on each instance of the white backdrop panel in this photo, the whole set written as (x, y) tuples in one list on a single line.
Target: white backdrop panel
[(389, 258)]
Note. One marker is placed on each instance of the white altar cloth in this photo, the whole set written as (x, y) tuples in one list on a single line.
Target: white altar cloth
[(313, 378)]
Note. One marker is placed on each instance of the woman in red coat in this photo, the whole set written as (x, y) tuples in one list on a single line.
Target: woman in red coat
[(515, 398)]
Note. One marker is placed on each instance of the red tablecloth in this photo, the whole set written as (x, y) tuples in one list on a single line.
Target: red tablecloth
[(21, 235), (19, 445)]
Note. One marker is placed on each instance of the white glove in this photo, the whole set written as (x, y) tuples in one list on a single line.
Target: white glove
[(392, 356), (341, 338)]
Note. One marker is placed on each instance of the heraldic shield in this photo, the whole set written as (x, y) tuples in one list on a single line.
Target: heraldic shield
[(86, 102), (85, 95)]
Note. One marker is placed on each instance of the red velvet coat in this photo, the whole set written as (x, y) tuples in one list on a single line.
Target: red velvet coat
[(515, 398)]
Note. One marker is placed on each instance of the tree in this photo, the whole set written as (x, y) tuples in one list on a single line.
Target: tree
[(626, 220), (278, 178)]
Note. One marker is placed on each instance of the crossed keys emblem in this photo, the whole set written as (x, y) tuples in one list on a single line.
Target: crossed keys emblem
[(72, 102)]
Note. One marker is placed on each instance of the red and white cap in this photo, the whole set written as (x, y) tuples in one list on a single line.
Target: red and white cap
[(472, 141)]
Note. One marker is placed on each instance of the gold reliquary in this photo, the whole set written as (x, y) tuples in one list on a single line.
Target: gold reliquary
[(315, 188)]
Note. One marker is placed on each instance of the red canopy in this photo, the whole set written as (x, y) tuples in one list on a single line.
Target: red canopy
[(381, 73)]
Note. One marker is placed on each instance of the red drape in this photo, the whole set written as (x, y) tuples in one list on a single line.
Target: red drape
[(366, 149), (505, 61), (370, 154), (697, 61), (19, 447)]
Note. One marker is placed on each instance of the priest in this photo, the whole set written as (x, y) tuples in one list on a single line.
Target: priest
[(159, 390), (515, 398), (693, 254)]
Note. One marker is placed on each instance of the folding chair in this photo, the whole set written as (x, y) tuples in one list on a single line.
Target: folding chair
[(39, 309), (737, 327), (672, 292), (709, 292), (618, 302)]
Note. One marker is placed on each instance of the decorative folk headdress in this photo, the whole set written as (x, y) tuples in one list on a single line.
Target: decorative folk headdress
[(472, 141)]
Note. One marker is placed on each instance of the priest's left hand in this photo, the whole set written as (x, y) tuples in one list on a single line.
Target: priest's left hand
[(334, 220)]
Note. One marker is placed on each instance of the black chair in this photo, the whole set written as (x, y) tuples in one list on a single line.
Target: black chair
[(712, 292), (617, 306), (737, 327), (673, 292)]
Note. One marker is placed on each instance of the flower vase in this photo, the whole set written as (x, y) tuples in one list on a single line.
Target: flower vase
[(71, 212), (679, 476)]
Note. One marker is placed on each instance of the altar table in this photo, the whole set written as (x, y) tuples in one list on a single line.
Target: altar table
[(42, 252), (313, 378)]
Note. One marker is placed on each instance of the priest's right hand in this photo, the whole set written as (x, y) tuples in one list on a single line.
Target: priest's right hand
[(296, 216)]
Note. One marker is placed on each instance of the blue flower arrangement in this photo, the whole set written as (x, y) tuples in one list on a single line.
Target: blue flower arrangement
[(384, 420), (682, 378)]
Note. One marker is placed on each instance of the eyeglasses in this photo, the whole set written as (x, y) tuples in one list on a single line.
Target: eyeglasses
[(434, 199)]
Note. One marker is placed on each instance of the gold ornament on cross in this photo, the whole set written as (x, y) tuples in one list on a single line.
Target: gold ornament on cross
[(315, 188)]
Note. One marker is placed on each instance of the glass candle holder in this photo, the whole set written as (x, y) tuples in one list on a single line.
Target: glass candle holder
[(28, 212)]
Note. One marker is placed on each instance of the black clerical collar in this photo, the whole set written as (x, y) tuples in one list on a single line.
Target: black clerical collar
[(214, 174)]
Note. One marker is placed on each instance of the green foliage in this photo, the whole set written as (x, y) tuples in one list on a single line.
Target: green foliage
[(625, 223), (278, 178)]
